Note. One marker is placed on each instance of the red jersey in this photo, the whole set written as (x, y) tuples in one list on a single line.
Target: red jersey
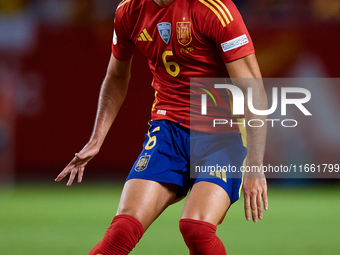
[(181, 40)]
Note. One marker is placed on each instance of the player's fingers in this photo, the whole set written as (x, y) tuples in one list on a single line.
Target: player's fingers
[(80, 173), (265, 199), (72, 176), (63, 173), (253, 207), (247, 207), (67, 169), (59, 177), (259, 206)]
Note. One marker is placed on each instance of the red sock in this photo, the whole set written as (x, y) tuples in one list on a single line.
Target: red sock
[(200, 237), (121, 237)]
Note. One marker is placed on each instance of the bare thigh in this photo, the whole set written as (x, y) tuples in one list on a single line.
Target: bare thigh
[(145, 200), (206, 202)]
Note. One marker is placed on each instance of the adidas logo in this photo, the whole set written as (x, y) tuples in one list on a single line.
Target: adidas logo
[(144, 36)]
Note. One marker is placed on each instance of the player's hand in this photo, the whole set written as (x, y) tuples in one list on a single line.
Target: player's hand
[(255, 195), (78, 163)]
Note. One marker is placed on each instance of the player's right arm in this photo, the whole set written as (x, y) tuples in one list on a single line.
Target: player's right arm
[(112, 94)]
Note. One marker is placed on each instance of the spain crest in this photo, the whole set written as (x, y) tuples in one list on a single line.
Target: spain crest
[(183, 30), (142, 162)]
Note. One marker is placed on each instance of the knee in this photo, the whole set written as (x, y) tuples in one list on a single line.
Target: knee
[(194, 230)]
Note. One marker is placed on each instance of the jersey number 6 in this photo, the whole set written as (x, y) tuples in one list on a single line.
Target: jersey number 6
[(170, 64)]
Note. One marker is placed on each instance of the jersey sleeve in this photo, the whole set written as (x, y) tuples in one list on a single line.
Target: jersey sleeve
[(122, 46), (225, 26)]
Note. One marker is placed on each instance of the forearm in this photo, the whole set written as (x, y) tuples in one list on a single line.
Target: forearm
[(256, 136), (112, 94)]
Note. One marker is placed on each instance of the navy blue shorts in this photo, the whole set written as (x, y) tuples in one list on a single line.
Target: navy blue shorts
[(175, 154)]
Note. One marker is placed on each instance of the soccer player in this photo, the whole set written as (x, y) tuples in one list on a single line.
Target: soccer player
[(182, 39)]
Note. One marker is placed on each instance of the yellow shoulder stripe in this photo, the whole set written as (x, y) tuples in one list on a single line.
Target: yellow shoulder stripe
[(219, 8), (122, 3), (214, 11), (226, 9)]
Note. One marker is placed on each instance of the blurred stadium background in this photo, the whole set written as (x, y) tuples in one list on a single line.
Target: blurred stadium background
[(53, 57)]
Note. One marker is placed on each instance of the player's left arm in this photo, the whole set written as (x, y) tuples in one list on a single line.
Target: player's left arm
[(245, 73)]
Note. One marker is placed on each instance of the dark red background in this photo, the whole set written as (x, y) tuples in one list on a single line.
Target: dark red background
[(73, 63)]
